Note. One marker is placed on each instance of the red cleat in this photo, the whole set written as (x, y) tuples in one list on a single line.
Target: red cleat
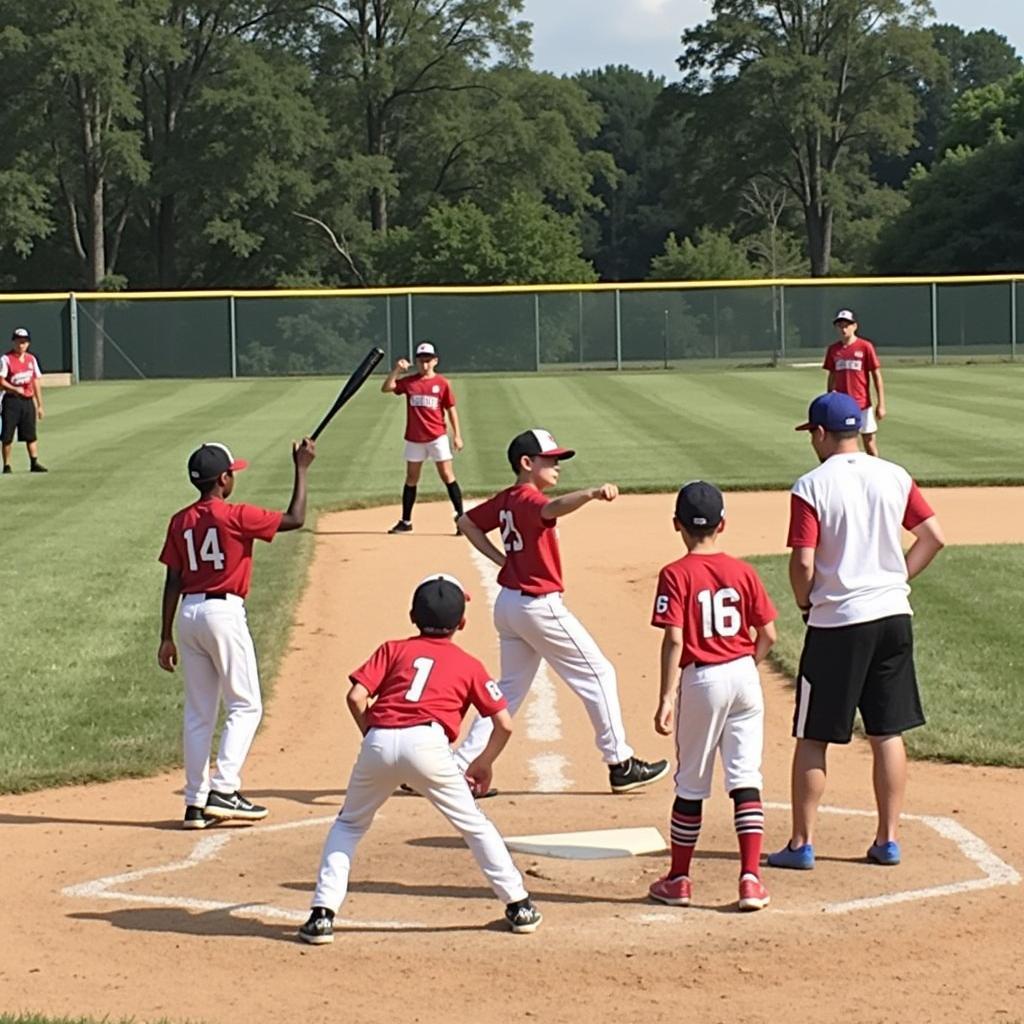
[(753, 894), (675, 892)]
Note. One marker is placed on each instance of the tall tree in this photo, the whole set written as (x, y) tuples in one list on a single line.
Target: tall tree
[(800, 91), (392, 59)]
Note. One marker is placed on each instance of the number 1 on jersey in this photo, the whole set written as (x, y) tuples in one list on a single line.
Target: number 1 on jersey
[(423, 666), (209, 550)]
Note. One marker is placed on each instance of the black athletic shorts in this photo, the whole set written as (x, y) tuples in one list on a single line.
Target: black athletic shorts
[(17, 412), (867, 667)]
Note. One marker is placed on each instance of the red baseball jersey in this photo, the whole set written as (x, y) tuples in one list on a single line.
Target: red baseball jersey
[(21, 371), (210, 544), (426, 400), (716, 600), (532, 562), (426, 679), (850, 366)]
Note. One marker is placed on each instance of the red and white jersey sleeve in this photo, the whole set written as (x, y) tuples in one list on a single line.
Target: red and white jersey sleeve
[(716, 600), (533, 563), (210, 544), (21, 371), (427, 398), (426, 679)]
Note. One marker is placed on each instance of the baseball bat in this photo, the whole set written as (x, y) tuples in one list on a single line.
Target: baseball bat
[(352, 385)]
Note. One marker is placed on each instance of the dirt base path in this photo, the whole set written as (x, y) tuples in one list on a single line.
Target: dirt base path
[(108, 908)]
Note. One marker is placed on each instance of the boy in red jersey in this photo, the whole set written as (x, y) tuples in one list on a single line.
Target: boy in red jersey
[(409, 700), (208, 554), (428, 396), (718, 623), (21, 400), (853, 366), (529, 614)]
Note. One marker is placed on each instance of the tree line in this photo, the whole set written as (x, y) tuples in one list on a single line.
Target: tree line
[(260, 143)]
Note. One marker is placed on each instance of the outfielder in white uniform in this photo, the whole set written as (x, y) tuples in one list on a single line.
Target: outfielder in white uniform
[(532, 620), (718, 622), (421, 689)]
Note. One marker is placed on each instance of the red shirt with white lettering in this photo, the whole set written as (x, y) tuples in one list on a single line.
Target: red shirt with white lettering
[(426, 679), (716, 600), (426, 400), (21, 371), (210, 544), (532, 561), (850, 365)]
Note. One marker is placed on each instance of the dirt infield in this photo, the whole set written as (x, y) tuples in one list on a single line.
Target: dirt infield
[(108, 908)]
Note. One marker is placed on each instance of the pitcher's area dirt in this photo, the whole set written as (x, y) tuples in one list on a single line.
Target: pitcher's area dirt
[(211, 938)]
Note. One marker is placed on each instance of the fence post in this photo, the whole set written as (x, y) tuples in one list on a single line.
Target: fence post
[(76, 366), (618, 329), (714, 320), (408, 321), (387, 327), (782, 321), (935, 323), (579, 323), (1013, 320), (233, 336), (536, 331)]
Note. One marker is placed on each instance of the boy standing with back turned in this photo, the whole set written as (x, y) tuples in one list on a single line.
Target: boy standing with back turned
[(718, 623)]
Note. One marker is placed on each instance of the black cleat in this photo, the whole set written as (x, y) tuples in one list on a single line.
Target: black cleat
[(232, 806), (195, 817), (319, 929), (523, 917), (7, 469), (38, 467), (634, 773), (401, 527)]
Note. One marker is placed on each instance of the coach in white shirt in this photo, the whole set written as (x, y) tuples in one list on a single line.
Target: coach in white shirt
[(849, 575)]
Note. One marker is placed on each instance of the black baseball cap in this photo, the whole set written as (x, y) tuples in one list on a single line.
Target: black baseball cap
[(439, 604), (699, 505), (426, 350), (533, 443), (21, 334), (845, 316), (210, 460)]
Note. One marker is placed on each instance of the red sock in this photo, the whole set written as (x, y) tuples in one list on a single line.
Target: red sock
[(749, 819), (685, 833)]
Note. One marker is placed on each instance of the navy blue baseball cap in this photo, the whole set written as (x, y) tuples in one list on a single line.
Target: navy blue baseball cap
[(699, 505), (836, 412)]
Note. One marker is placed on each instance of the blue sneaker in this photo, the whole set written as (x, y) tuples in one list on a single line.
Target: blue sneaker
[(884, 853), (800, 859)]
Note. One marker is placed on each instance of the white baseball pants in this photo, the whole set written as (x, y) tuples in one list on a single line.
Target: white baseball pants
[(532, 628), (720, 708), (219, 663), (420, 757)]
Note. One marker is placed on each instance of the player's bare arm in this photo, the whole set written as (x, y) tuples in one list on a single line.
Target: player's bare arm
[(480, 771), (388, 387), (167, 655), (37, 397), (358, 701), (480, 540), (303, 453), (929, 540), (765, 640), (831, 385), (671, 656), (876, 380), (567, 503), (453, 418), (801, 576)]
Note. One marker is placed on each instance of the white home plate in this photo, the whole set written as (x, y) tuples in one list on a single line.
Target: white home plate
[(608, 842)]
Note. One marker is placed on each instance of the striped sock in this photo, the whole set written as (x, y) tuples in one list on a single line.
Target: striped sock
[(749, 819), (685, 831)]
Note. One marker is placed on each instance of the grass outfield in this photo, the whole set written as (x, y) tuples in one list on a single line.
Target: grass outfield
[(81, 697), (968, 654)]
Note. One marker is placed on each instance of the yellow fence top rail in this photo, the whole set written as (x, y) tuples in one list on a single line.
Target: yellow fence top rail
[(512, 289)]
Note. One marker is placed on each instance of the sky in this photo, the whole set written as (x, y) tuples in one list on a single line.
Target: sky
[(569, 35)]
